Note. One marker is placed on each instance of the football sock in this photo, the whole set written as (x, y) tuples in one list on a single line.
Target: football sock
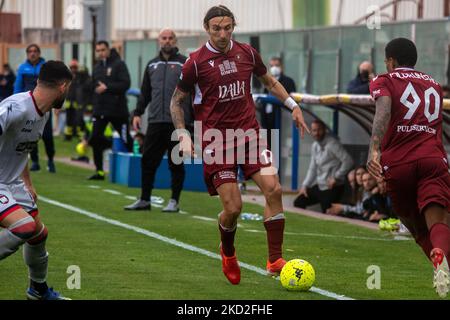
[(440, 237), (227, 238), (16, 235), (275, 230), (36, 256)]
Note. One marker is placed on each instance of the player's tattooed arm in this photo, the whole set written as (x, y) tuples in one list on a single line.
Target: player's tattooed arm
[(379, 128), (280, 92), (274, 86), (176, 108)]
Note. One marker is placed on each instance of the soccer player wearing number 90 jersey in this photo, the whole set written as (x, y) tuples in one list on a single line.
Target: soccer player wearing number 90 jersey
[(406, 151)]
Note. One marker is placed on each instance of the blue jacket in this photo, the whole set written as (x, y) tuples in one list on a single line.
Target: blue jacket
[(27, 76), (358, 86)]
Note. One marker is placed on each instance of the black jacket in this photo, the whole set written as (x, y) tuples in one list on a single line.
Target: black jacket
[(287, 82), (114, 74), (7, 89), (79, 90), (158, 84), (358, 85)]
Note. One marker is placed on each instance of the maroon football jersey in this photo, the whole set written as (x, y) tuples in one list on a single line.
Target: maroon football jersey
[(220, 84), (415, 128)]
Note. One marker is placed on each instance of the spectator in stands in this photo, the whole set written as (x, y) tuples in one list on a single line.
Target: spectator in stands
[(360, 84), (7, 78), (26, 80), (352, 207), (446, 91), (349, 187), (268, 112), (329, 165), (379, 204), (370, 195)]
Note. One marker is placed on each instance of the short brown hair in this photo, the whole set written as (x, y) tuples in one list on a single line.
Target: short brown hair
[(218, 11)]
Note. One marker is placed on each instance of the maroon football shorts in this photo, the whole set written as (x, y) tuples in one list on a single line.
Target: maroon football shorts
[(216, 174), (415, 185)]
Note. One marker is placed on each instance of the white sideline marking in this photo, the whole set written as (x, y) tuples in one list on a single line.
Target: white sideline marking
[(333, 236), (204, 218), (176, 243), (117, 193), (94, 187), (130, 198), (343, 237)]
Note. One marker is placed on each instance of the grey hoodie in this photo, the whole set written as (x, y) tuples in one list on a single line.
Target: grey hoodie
[(329, 159)]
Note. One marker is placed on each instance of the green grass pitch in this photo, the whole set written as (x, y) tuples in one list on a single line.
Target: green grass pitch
[(119, 263)]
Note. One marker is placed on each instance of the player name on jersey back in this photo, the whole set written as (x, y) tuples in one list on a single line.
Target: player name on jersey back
[(413, 75), (415, 126)]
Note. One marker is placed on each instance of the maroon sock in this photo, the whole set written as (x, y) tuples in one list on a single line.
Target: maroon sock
[(227, 238), (275, 231), (440, 237)]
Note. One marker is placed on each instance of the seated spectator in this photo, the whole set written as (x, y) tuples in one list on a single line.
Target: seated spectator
[(330, 162), (375, 206), (446, 91), (349, 187), (353, 208), (382, 204), (360, 84)]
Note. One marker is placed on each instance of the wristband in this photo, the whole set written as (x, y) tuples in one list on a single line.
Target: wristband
[(291, 104)]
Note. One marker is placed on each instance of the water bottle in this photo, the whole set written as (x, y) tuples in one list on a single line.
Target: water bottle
[(251, 216), (245, 216), (136, 148)]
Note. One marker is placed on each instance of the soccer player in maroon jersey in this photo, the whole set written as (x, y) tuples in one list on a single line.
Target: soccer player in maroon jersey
[(406, 150), (218, 75)]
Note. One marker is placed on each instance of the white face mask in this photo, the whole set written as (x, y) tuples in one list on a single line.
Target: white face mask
[(275, 71)]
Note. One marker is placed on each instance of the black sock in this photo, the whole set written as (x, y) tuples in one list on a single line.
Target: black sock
[(39, 287)]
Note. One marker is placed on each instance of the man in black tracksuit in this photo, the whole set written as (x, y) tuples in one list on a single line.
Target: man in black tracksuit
[(111, 81), (160, 79)]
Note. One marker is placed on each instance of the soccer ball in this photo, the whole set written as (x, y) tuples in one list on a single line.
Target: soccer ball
[(297, 275), (81, 149)]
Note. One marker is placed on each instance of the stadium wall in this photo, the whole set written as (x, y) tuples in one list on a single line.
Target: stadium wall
[(251, 15), (352, 10)]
